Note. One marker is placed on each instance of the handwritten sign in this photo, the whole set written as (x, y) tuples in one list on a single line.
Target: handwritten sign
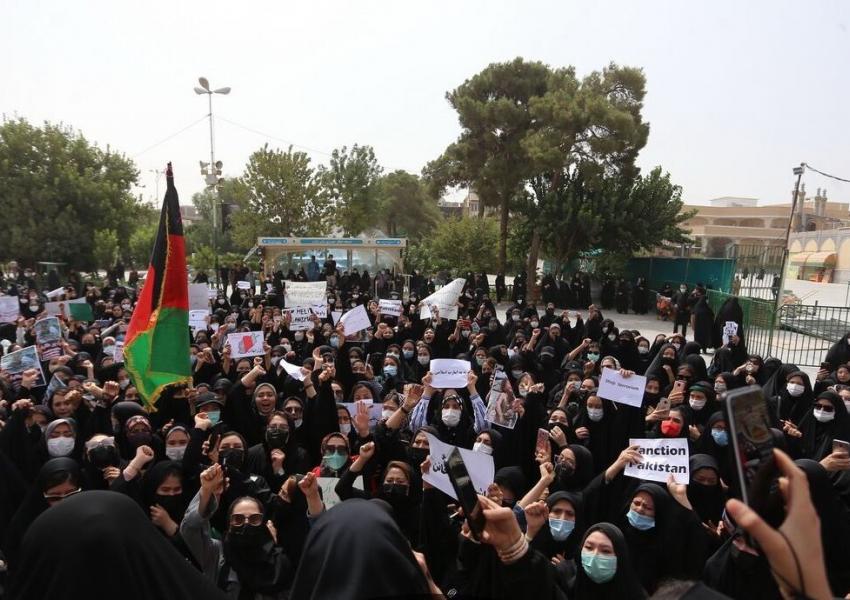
[(9, 310), (60, 291), (449, 373), (445, 299), (199, 296), (391, 308), (729, 329), (625, 390), (661, 458), (305, 293), (301, 318), (247, 343), (355, 320), (320, 310), (480, 466), (243, 285), (327, 485), (198, 320)]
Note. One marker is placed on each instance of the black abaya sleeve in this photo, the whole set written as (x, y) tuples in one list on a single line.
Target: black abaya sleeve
[(320, 417)]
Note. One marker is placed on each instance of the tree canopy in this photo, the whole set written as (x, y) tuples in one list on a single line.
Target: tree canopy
[(350, 182)]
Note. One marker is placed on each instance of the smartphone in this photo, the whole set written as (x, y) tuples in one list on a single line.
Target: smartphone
[(466, 494), (663, 404), (678, 386), (825, 366), (841, 447), (542, 446), (753, 443)]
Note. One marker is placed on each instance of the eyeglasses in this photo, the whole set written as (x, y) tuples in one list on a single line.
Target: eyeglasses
[(337, 449), (238, 520), (825, 407), (62, 496), (293, 410)]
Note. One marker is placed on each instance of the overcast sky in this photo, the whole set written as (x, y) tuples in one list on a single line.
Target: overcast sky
[(739, 92)]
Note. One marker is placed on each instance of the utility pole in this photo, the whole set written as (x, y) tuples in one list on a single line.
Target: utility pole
[(212, 170)]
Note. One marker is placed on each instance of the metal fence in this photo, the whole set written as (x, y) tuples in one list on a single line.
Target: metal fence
[(800, 334)]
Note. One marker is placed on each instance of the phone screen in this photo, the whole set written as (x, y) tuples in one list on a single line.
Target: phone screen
[(466, 494), (543, 443), (752, 440)]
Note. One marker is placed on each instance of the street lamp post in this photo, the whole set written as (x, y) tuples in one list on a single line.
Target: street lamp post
[(798, 171), (212, 176)]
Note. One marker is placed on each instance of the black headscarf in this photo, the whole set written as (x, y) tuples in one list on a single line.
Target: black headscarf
[(362, 537), (625, 583), (545, 543), (730, 310), (103, 528), (839, 353), (817, 437), (788, 407), (708, 501), (175, 506), (775, 384)]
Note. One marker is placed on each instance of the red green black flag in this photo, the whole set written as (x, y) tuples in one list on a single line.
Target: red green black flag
[(156, 347)]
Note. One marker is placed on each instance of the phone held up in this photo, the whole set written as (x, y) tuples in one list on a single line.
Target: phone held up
[(466, 494)]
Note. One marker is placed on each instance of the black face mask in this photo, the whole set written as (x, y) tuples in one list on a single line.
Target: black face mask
[(276, 438), (564, 470), (417, 455), (668, 361), (175, 506), (141, 438), (394, 491), (248, 543), (232, 458), (101, 457)]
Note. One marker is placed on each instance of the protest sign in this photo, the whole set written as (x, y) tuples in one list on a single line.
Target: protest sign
[(391, 308), (247, 343), (48, 337), (305, 293), (118, 351), (327, 486), (375, 410), (500, 403), (479, 465), (729, 329), (77, 308), (355, 320), (9, 310), (320, 310), (445, 299), (56, 293), (625, 390), (301, 318), (449, 373), (336, 315), (243, 285), (199, 297), (293, 371), (198, 319), (661, 457), (15, 363)]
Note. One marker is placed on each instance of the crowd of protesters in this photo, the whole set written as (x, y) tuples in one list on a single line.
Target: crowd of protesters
[(216, 493)]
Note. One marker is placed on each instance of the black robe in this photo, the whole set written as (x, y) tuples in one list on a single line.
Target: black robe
[(703, 324)]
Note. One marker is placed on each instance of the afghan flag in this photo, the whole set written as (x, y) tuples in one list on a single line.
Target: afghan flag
[(156, 347)]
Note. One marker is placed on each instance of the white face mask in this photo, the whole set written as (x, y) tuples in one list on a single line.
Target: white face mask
[(643, 350), (451, 417), (386, 414), (423, 360), (822, 416), (534, 324), (696, 404), (345, 428), (516, 318), (595, 414), (719, 387), (482, 447), (175, 452), (60, 446), (795, 389), (612, 337)]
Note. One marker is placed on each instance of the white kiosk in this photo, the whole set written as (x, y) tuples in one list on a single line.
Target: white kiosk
[(370, 254)]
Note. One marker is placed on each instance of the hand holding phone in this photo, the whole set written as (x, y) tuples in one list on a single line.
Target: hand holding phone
[(466, 494)]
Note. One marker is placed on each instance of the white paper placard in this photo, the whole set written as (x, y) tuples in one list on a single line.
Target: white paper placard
[(661, 457), (320, 310), (56, 293), (293, 371), (9, 309), (479, 465), (336, 315), (445, 299), (625, 390), (375, 410), (199, 296), (243, 285), (305, 293), (391, 308), (355, 320), (328, 487), (729, 329), (57, 309), (448, 373), (198, 319), (118, 351), (301, 318), (247, 343)]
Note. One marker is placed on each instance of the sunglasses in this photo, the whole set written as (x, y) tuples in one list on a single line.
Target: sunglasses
[(337, 449), (238, 520), (825, 407)]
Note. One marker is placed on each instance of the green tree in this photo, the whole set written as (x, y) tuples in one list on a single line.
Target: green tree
[(282, 198), (404, 206), (56, 189), (105, 248), (464, 244), (140, 245), (489, 155), (350, 182)]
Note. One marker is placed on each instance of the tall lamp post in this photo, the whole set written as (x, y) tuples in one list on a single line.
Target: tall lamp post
[(211, 175)]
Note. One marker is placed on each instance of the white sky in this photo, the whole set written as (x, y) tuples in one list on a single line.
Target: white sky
[(739, 92)]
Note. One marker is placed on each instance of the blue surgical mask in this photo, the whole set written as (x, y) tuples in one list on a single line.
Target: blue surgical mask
[(600, 568), (334, 341), (334, 461), (214, 416), (560, 528), (390, 370), (408, 354), (639, 521), (721, 437), (593, 356)]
